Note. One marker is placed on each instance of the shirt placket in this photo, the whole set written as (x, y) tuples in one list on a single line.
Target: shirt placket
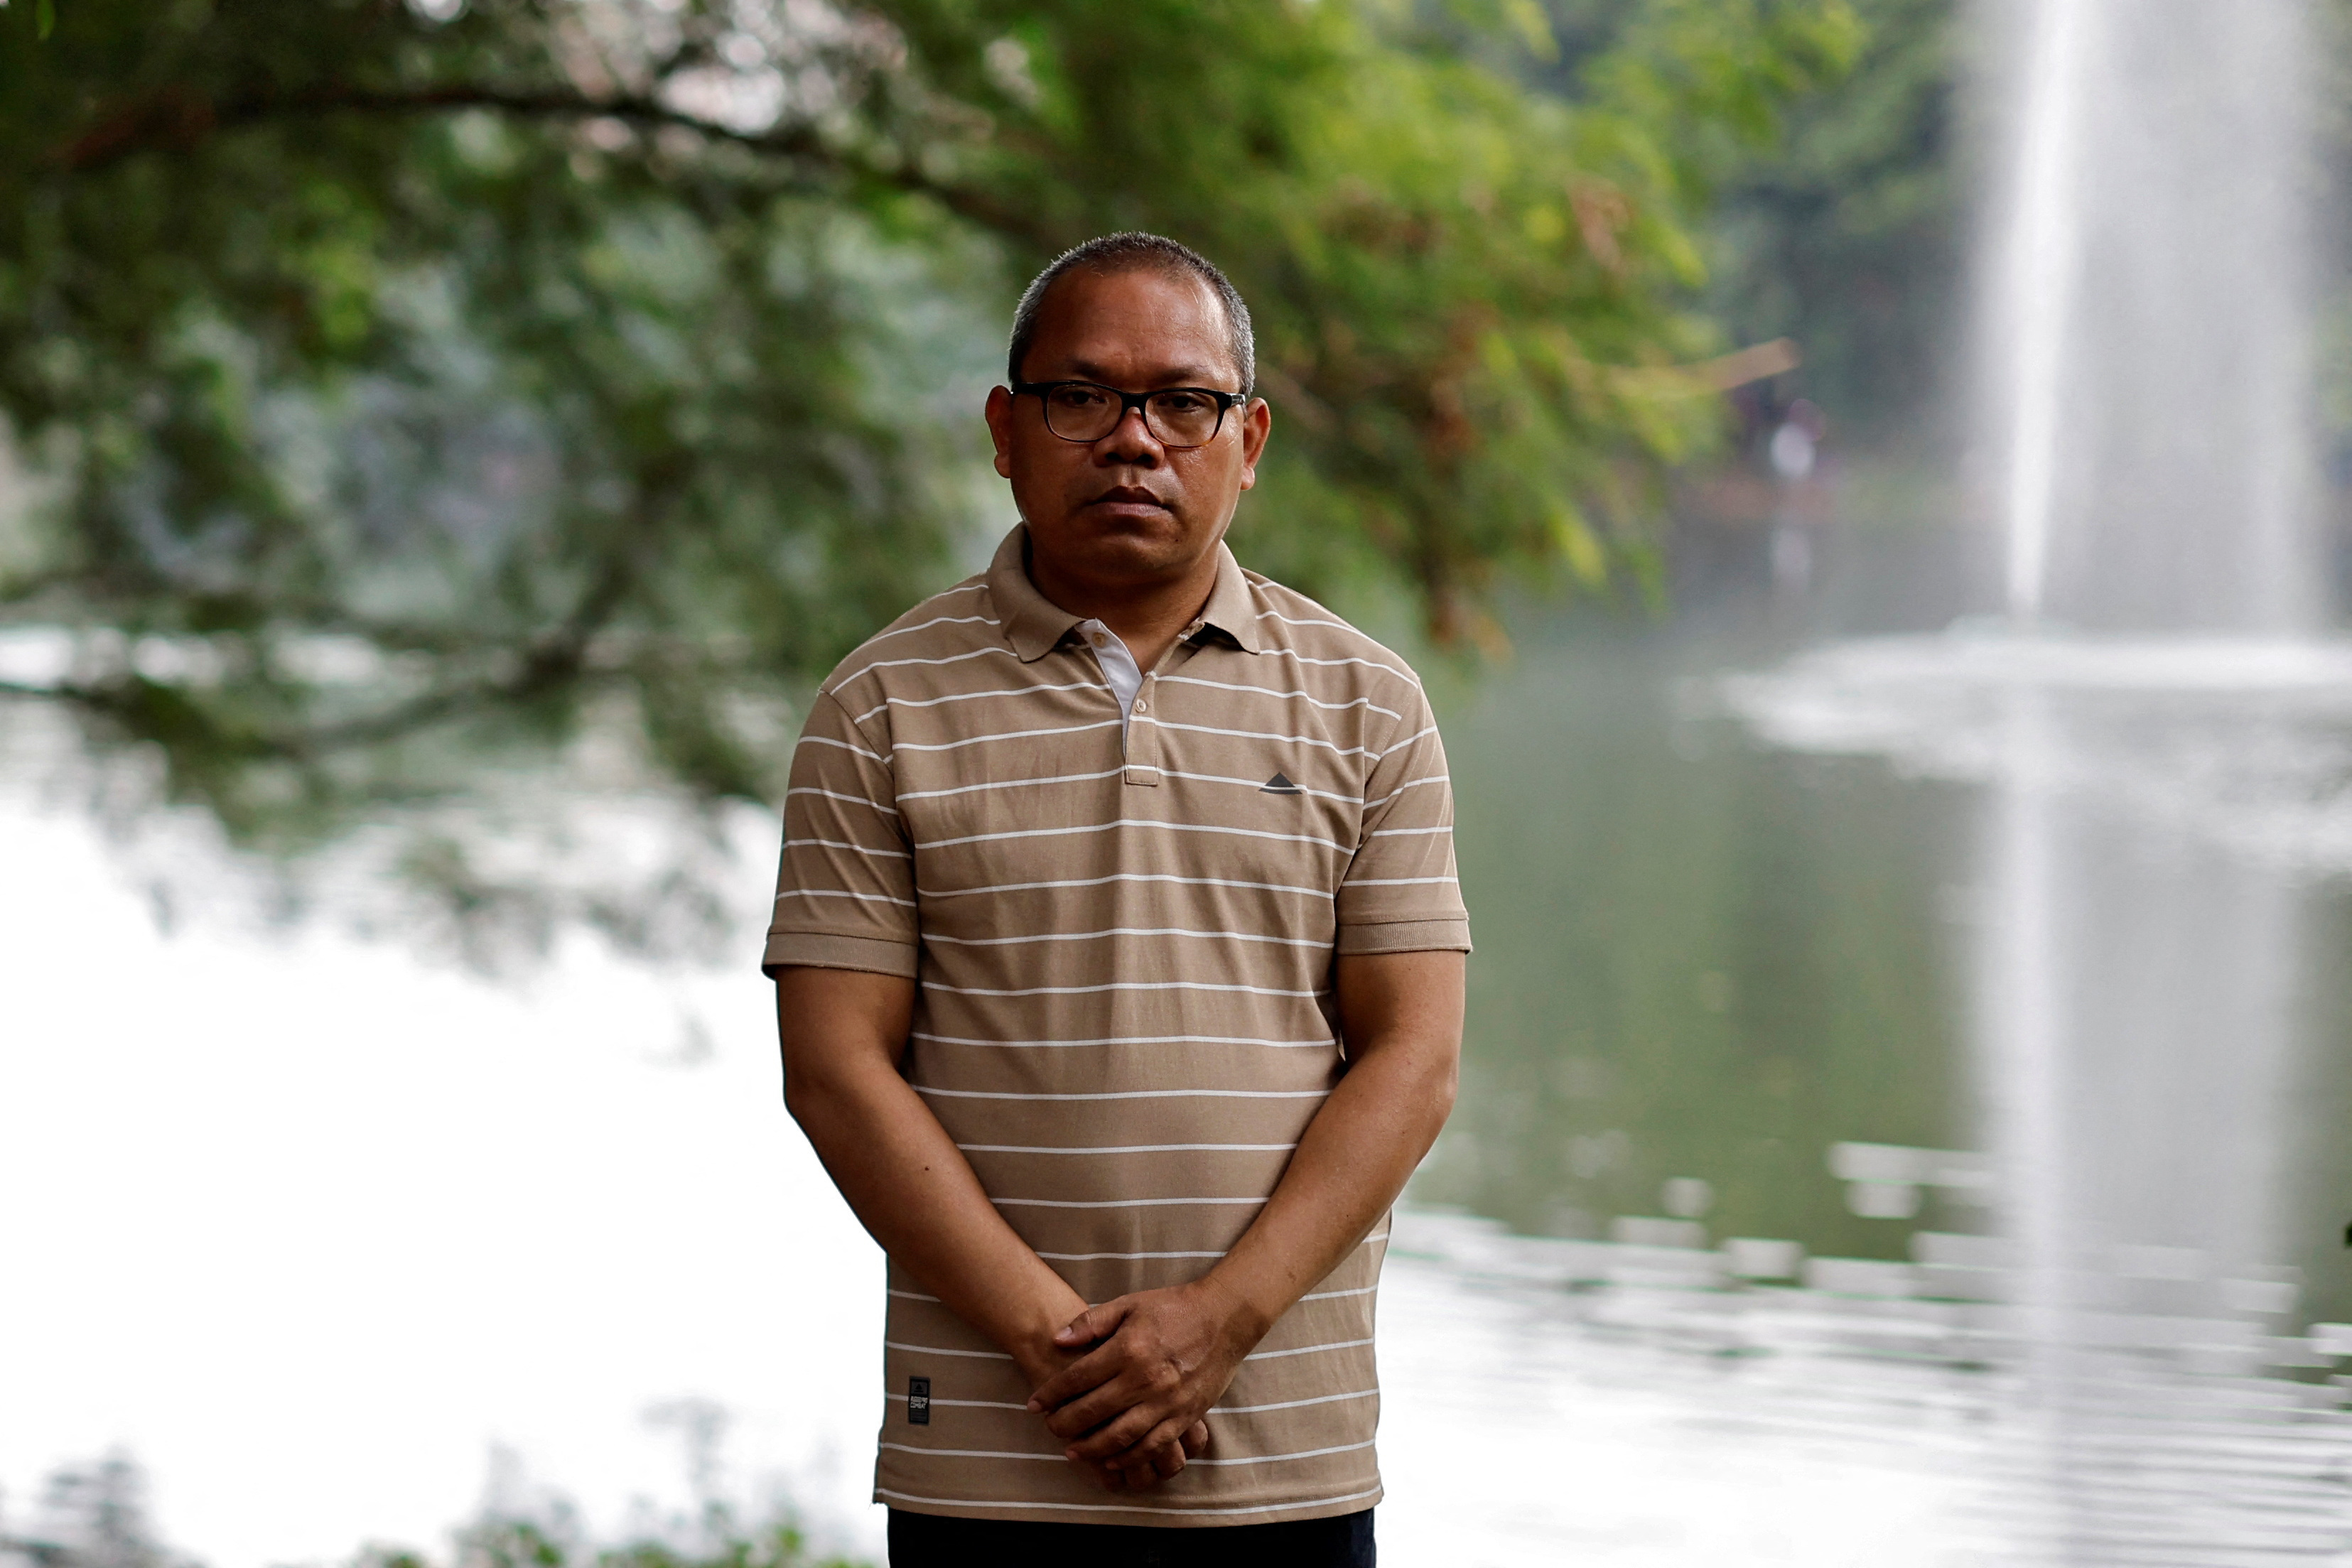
[(1143, 734), (1143, 721)]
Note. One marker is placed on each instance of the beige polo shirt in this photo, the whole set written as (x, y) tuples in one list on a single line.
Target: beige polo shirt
[(1121, 928)]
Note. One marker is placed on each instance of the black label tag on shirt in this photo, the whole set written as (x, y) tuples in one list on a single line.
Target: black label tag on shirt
[(919, 1402)]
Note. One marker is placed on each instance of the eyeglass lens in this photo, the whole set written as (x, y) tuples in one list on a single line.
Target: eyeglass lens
[(1177, 417)]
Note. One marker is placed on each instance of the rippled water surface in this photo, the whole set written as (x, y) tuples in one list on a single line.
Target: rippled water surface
[(1744, 1114), (1720, 1261)]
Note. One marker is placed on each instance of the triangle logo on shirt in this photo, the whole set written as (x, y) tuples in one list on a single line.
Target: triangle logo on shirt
[(1279, 785)]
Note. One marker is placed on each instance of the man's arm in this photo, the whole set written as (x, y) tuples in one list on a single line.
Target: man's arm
[(843, 1031), (1172, 1353)]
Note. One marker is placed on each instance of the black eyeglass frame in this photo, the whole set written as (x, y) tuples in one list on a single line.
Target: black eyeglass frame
[(1140, 401)]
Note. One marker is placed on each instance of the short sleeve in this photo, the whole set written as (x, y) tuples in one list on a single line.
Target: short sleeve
[(845, 890), (1400, 895)]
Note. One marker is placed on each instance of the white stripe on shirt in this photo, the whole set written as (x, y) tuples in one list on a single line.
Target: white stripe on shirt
[(836, 893), (1011, 784), (843, 844), (1326, 1044), (894, 663), (837, 795), (973, 696), (1162, 1510), (1122, 1202), (1122, 876), (937, 989), (1125, 1148), (1136, 822), (1261, 735), (1279, 1405), (1133, 1094), (1117, 931), (1003, 734)]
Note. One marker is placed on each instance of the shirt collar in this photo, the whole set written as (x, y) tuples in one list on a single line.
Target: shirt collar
[(1035, 625)]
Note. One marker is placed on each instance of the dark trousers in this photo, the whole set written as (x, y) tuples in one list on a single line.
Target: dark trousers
[(933, 1541)]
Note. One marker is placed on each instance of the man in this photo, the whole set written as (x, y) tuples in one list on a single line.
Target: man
[(1120, 975)]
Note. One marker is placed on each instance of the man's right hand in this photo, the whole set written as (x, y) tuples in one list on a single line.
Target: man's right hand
[(1139, 1468), (843, 1031)]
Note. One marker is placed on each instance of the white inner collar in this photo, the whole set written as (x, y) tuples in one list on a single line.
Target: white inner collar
[(1119, 665)]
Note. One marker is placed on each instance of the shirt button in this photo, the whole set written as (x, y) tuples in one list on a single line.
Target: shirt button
[(1141, 705), (1098, 639)]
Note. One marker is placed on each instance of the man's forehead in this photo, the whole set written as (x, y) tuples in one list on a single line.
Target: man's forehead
[(1171, 325)]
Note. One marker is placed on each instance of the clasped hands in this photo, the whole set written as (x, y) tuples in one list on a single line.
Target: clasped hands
[(1130, 1408)]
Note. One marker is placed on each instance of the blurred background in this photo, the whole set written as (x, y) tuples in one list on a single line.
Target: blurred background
[(1867, 481)]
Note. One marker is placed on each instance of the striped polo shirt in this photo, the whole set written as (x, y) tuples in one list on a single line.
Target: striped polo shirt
[(1121, 925)]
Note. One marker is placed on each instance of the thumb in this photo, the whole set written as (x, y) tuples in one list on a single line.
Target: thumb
[(1094, 1324)]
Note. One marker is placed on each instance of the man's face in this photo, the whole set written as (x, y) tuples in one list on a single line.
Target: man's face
[(1126, 511)]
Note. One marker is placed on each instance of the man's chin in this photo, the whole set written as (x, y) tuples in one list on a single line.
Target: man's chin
[(1123, 519), (1121, 543)]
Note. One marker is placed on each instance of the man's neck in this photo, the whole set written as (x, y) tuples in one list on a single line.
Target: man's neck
[(1147, 617)]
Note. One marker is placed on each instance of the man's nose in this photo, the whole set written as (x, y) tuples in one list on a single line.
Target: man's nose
[(1129, 441)]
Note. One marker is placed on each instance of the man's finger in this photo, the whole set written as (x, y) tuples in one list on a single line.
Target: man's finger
[(1169, 1434), (1097, 1407), (1148, 1470), (1131, 1472), (1082, 1377), (1093, 1325), (1145, 1467), (1168, 1438), (1124, 1433)]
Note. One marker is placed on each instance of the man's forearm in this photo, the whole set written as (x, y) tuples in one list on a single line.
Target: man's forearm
[(1349, 1166), (1172, 1353), (913, 1189)]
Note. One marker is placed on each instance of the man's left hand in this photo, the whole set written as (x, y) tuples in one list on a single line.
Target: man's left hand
[(1162, 1358)]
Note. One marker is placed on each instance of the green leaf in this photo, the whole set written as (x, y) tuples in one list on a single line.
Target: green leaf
[(407, 417)]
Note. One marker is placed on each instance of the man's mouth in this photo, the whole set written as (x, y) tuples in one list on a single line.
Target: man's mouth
[(1129, 495)]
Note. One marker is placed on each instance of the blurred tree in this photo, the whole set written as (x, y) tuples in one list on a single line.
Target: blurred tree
[(95, 1516), (502, 1543), (1852, 235), (1843, 228), (413, 393), (92, 1516)]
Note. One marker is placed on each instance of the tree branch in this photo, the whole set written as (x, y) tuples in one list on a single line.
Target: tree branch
[(177, 120)]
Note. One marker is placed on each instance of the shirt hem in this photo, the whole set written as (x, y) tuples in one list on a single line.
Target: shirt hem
[(1450, 935), (833, 950), (1208, 1516)]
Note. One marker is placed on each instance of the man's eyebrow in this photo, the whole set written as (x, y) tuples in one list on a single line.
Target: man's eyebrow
[(1182, 375)]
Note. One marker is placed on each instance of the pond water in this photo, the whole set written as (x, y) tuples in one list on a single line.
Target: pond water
[(1722, 1259), (1755, 1099), (1702, 962), (1709, 965)]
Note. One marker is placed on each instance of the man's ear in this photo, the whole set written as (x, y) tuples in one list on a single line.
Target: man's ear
[(1257, 424), (998, 414)]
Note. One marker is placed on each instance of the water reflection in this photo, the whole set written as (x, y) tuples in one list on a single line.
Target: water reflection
[(1773, 1424), (1701, 961), (1952, 1055)]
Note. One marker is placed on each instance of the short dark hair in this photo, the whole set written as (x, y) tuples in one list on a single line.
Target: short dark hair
[(1133, 252)]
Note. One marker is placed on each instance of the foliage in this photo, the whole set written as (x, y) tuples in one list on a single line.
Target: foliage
[(92, 1516), (412, 393), (717, 1540), (1850, 236), (95, 1516)]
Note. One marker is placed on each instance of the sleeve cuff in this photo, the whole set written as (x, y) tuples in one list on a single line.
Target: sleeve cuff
[(828, 950), (1405, 937)]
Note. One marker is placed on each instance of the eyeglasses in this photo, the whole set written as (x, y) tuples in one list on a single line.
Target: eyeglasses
[(1177, 417)]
